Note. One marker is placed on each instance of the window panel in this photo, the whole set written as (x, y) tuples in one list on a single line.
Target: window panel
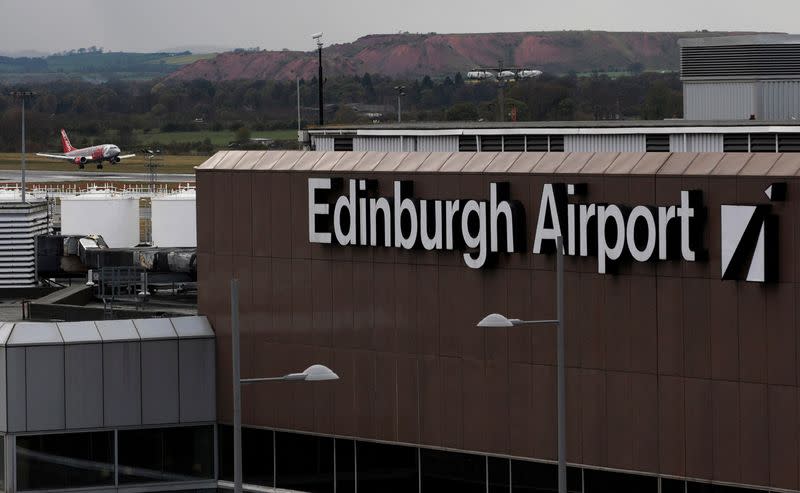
[(257, 455), (73, 460), (304, 463), (166, 454), (556, 143), (467, 143), (386, 468), (604, 481), (345, 466), (499, 471), (535, 477), (452, 471)]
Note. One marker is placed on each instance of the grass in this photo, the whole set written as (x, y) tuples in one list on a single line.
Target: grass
[(218, 138), (172, 164)]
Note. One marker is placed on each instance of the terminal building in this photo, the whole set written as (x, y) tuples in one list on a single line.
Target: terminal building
[(681, 328)]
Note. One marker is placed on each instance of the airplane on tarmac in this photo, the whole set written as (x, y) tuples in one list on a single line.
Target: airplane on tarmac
[(94, 154)]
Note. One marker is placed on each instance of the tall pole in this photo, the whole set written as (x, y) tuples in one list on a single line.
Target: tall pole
[(321, 83), (399, 111), (562, 408), (298, 107), (24, 163), (237, 389)]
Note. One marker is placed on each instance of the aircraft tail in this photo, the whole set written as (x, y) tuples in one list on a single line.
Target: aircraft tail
[(65, 143)]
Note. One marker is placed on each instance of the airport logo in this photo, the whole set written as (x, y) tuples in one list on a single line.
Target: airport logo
[(749, 239)]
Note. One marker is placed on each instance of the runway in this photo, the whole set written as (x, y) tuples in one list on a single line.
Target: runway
[(7, 176)]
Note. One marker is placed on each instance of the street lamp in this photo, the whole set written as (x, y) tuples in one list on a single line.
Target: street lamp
[(496, 320), (401, 91), (24, 96), (314, 373), (318, 38)]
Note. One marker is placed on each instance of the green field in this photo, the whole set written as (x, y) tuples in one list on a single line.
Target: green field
[(218, 139), (171, 164)]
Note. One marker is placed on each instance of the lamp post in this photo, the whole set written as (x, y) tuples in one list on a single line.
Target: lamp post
[(497, 321), (318, 38), (314, 373), (401, 91), (23, 95)]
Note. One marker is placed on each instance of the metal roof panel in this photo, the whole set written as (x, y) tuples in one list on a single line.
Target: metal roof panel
[(624, 163), (117, 330), (155, 328), (704, 163), (307, 161), (412, 161), (192, 327), (786, 165), (760, 164), (230, 160), (370, 161), (457, 162), (34, 334), (211, 163), (526, 162), (481, 160), (732, 163), (599, 163), (391, 161), (651, 163), (677, 162), (574, 162), (502, 162), (77, 332), (328, 160), (549, 163), (286, 162), (268, 160), (434, 161), (349, 161), (249, 160)]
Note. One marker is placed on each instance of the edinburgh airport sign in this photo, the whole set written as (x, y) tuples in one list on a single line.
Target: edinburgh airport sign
[(352, 213)]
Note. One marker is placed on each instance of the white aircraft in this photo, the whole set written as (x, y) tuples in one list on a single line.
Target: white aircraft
[(94, 154)]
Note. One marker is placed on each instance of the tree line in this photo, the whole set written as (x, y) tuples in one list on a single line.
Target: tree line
[(128, 110)]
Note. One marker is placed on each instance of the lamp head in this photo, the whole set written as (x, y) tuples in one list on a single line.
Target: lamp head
[(495, 321), (314, 373)]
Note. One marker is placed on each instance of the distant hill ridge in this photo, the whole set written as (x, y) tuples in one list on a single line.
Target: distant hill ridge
[(415, 55)]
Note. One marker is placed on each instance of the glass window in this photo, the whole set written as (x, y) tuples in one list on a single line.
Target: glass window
[(386, 468), (673, 485), (604, 481), (345, 466), (692, 487), (74, 460), (257, 455), (499, 471), (303, 463), (535, 477), (452, 471), (166, 454)]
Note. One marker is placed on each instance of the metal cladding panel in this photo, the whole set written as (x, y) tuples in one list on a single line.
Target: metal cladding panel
[(83, 385), (122, 385), (44, 388), (197, 377), (696, 143), (160, 382), (720, 101), (437, 143), (380, 144), (15, 394), (605, 143), (3, 392), (323, 142), (780, 100)]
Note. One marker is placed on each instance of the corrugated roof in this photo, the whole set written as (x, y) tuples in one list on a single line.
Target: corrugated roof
[(599, 163), (51, 333)]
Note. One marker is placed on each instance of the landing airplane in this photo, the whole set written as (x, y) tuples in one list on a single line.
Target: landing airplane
[(94, 154)]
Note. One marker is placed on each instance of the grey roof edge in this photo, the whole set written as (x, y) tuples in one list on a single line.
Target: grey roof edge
[(51, 334), (790, 163), (741, 39)]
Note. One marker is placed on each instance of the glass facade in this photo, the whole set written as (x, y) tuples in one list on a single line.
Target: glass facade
[(450, 471), (257, 455), (382, 468), (166, 455), (304, 463), (73, 460)]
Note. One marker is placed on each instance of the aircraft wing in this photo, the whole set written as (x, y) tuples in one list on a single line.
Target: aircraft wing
[(55, 156), (126, 156)]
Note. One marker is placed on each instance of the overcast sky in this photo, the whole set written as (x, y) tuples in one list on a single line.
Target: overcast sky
[(148, 25)]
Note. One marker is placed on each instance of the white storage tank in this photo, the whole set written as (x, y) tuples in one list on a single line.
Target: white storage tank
[(174, 219), (112, 216)]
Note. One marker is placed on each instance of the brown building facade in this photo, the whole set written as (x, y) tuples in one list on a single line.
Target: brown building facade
[(677, 379)]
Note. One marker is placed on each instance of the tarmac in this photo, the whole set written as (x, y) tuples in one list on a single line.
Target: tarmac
[(8, 176)]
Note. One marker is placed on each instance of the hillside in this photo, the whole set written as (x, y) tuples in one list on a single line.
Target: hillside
[(415, 55)]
